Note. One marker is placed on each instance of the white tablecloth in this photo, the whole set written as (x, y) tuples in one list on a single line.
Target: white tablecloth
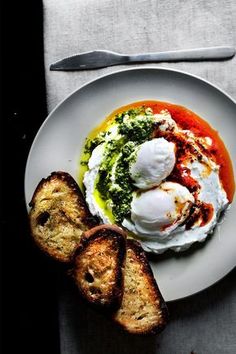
[(204, 323)]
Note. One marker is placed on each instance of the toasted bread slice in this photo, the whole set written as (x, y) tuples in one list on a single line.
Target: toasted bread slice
[(143, 310), (59, 216), (98, 266)]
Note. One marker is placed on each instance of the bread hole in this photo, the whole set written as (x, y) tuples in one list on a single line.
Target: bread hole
[(43, 218), (140, 317), (95, 291), (56, 190), (88, 277)]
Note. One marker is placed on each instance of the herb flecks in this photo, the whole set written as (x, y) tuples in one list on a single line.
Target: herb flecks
[(104, 182), (121, 191), (136, 125), (114, 183), (90, 145)]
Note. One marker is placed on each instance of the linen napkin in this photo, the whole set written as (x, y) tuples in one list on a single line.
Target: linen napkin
[(204, 323), (132, 26)]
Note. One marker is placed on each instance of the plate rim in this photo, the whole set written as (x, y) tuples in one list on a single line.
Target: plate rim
[(117, 72)]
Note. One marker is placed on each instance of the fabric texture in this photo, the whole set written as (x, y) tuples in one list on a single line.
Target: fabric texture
[(206, 322)]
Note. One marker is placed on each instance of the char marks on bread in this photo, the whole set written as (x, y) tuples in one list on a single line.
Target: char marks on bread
[(59, 216), (143, 309), (98, 266), (110, 272)]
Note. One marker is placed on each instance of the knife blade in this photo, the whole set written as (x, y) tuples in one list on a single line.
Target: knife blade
[(103, 58)]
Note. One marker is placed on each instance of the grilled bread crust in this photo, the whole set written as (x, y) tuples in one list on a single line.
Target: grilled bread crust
[(110, 272), (59, 216), (143, 310), (98, 266)]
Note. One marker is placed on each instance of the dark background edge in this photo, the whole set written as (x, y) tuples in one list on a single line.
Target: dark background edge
[(29, 282)]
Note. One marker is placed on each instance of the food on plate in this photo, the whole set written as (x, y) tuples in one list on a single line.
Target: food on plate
[(161, 210), (152, 162), (98, 265), (59, 216), (159, 171), (143, 310)]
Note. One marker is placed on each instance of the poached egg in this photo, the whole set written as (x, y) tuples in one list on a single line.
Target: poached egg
[(164, 188), (154, 161)]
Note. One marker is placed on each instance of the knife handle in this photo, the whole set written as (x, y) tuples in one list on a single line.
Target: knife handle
[(189, 54)]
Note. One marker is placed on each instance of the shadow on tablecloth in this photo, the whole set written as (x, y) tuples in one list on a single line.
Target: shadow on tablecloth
[(195, 325)]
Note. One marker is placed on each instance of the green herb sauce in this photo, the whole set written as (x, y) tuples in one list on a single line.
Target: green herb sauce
[(114, 184)]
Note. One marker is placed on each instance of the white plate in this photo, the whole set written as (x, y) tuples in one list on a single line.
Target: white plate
[(58, 143)]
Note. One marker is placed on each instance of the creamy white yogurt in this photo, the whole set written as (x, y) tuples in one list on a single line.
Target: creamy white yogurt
[(144, 223)]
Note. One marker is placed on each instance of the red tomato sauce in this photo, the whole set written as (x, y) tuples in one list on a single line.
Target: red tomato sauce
[(187, 119)]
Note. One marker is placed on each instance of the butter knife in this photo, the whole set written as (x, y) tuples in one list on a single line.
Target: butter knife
[(103, 58)]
